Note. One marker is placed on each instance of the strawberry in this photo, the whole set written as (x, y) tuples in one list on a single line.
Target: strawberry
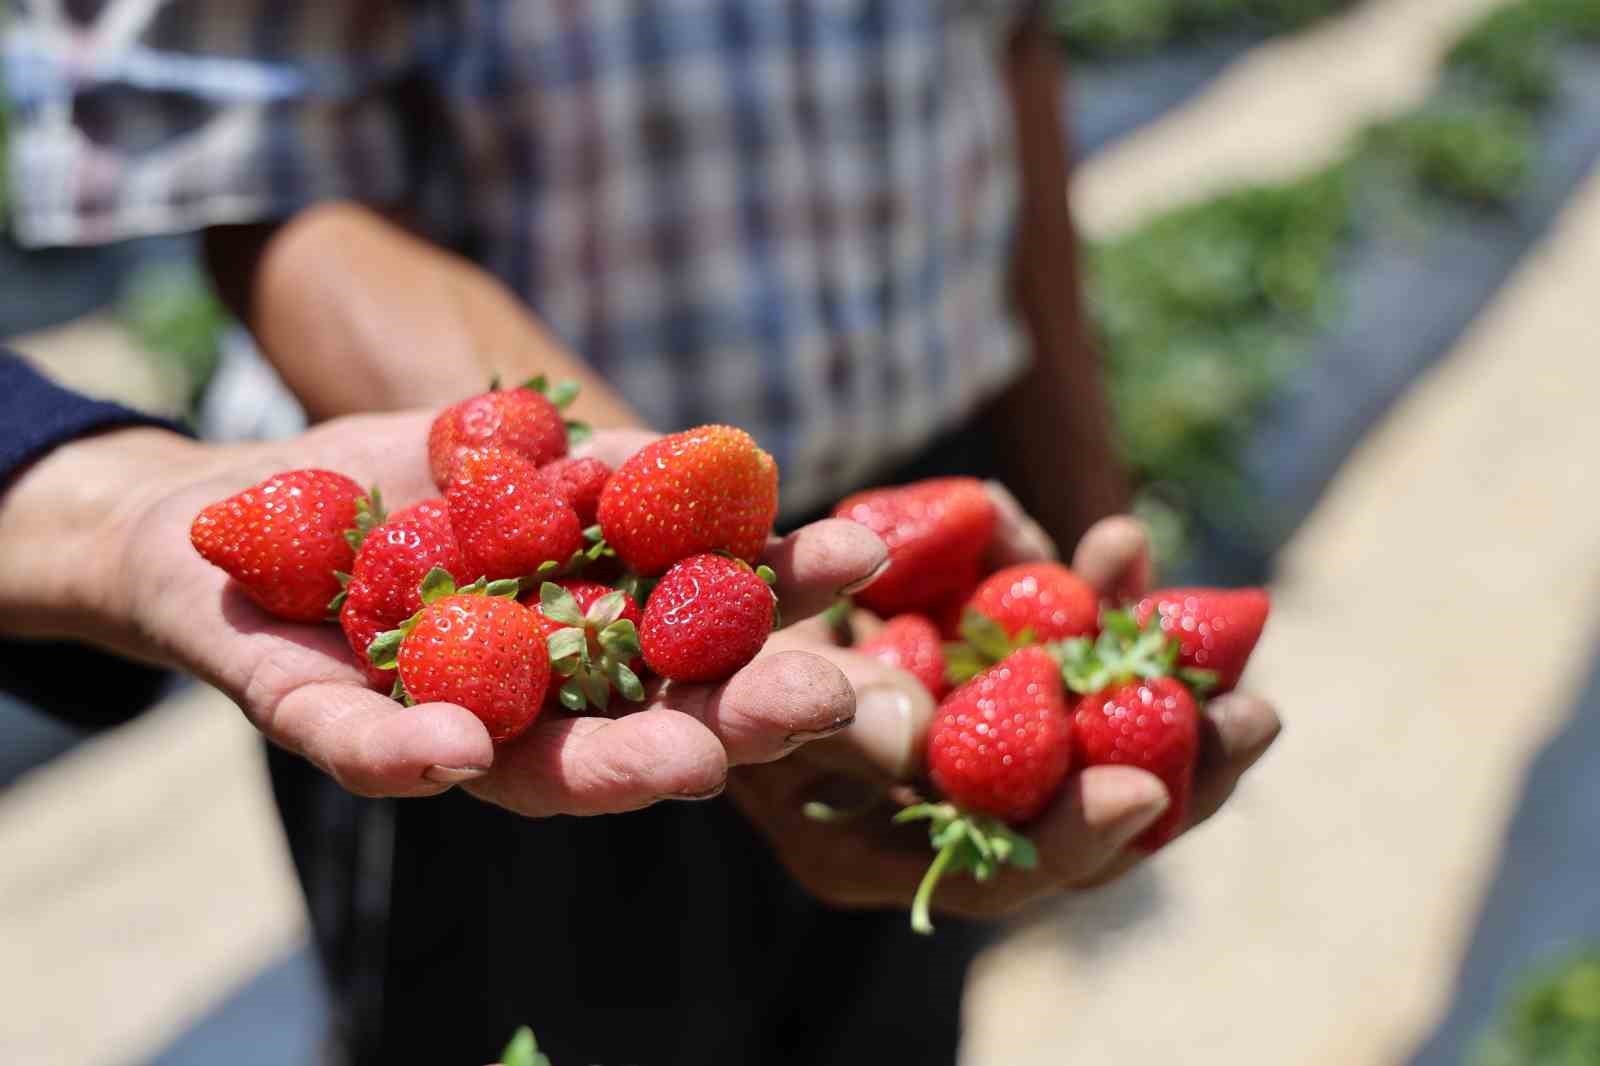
[(910, 642), (526, 420), (708, 616), (579, 482), (1135, 712), (434, 507), (937, 532), (592, 631), (1216, 629), (383, 587), (998, 748), (1025, 604), (505, 517), (476, 647), (703, 490), (283, 540)]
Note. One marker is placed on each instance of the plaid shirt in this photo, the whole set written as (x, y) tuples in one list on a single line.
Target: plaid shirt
[(793, 216)]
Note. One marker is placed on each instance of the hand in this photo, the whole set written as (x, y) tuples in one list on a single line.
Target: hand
[(1082, 839), (137, 492)]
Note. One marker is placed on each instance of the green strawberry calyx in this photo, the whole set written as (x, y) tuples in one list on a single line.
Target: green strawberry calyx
[(768, 576), (384, 650), (370, 514), (983, 643), (523, 1050), (562, 393), (964, 841), (552, 568), (589, 680), (1125, 651)]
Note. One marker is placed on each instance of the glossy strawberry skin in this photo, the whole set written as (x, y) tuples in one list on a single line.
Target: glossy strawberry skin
[(580, 482), (1002, 743), (936, 532), (519, 420), (433, 507), (1216, 629), (484, 653), (703, 490), (586, 593), (708, 616), (506, 519), (282, 540), (384, 584), (911, 643), (1045, 598), (1151, 724)]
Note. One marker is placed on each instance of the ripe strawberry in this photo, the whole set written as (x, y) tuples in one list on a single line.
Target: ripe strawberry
[(1046, 600), (383, 587), (433, 507), (579, 482), (283, 540), (506, 519), (998, 748), (526, 420), (1216, 629), (936, 531), (1154, 724), (476, 647), (708, 616), (703, 490), (592, 631), (910, 642)]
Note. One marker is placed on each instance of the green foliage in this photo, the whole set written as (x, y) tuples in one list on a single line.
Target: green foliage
[(173, 313), (1481, 154), (1552, 1019), (1131, 27)]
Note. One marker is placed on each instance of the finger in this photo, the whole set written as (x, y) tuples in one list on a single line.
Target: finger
[(615, 446), (818, 563), (588, 766), (1017, 537), (1114, 557), (1239, 729), (885, 742), (779, 702), (1096, 815), (373, 746)]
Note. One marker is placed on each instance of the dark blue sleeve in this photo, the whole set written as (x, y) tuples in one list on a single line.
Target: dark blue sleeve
[(82, 685)]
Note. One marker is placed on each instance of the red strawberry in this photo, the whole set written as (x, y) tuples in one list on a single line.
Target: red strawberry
[(1216, 629), (1046, 599), (998, 748), (383, 590), (434, 507), (936, 531), (523, 420), (708, 616), (592, 631), (702, 490), (579, 482), (1133, 712), (283, 540), (475, 647), (1150, 723), (506, 519), (910, 642)]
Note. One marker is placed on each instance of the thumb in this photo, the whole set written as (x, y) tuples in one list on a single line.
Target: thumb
[(885, 742)]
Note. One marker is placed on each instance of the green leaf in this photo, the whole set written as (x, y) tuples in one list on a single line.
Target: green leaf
[(570, 643), (626, 680), (506, 586), (605, 610), (563, 393), (437, 584), (767, 574), (338, 601), (620, 640), (571, 695), (384, 649), (578, 433), (523, 1050), (538, 383), (597, 687), (549, 566), (559, 605), (398, 692), (594, 534)]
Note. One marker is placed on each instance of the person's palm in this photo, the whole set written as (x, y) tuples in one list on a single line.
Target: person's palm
[(299, 685)]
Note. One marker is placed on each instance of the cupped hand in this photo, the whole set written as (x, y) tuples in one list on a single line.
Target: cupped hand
[(860, 859), (299, 685)]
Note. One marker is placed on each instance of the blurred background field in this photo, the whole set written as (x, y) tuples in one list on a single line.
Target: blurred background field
[(1342, 259)]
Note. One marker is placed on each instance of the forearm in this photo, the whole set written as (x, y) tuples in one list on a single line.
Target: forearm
[(359, 315), (1055, 420)]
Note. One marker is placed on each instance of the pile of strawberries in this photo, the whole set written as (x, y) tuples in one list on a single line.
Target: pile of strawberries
[(536, 578), (1047, 680)]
